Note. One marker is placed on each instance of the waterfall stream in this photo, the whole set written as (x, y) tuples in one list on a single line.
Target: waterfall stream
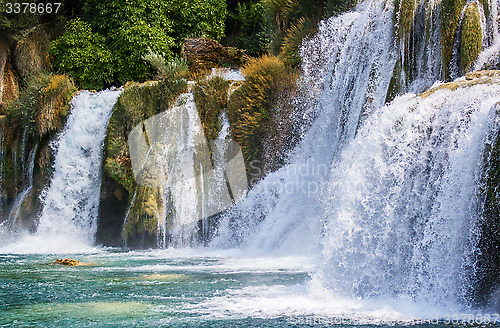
[(70, 203)]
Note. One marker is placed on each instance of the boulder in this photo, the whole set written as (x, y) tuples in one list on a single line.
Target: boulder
[(204, 54), (68, 262)]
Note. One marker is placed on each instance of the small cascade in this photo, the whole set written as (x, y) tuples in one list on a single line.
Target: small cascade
[(13, 217), (420, 49), (167, 152), (170, 152), (489, 56), (70, 203)]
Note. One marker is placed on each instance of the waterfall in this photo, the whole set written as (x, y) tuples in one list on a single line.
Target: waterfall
[(70, 203), (491, 37), (402, 206), (348, 65), (385, 196)]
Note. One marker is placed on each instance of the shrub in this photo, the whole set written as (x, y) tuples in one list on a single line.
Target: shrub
[(248, 25), (177, 68), (84, 55), (293, 40), (133, 43), (195, 18), (250, 107)]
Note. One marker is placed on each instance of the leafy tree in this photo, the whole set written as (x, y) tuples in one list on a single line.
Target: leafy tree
[(132, 43), (107, 17), (195, 18), (247, 22), (83, 54)]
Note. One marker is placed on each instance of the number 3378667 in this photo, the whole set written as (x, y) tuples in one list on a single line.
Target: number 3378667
[(32, 8)]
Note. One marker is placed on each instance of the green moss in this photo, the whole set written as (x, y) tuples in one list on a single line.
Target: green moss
[(450, 16), (403, 17), (471, 40), (211, 98), (137, 103)]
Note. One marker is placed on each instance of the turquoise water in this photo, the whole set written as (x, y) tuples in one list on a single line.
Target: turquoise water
[(179, 288)]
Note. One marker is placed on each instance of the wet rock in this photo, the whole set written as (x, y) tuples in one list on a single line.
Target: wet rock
[(204, 54), (68, 262)]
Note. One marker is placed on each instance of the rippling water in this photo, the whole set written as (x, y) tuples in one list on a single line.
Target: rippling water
[(179, 288)]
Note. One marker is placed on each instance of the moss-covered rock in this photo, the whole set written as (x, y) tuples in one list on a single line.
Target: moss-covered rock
[(450, 17), (137, 103), (261, 110), (403, 17), (210, 96), (471, 38)]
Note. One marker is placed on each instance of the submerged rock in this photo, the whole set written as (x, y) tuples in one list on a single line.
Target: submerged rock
[(68, 262)]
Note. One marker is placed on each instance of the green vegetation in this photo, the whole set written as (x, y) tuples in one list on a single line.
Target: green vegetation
[(108, 45), (277, 27), (211, 98), (250, 107), (43, 104), (246, 27), (84, 55), (471, 40)]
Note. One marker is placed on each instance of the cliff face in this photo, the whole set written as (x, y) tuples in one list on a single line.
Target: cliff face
[(9, 89), (31, 116)]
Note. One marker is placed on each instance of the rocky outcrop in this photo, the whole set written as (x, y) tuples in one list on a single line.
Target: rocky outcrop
[(137, 103), (31, 54), (68, 262), (204, 54), (9, 89)]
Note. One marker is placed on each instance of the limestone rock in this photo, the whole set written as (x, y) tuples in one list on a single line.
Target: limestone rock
[(204, 54)]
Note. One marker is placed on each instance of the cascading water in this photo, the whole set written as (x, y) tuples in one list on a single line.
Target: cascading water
[(402, 218), (348, 65), (169, 151), (19, 200), (402, 208), (70, 203)]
